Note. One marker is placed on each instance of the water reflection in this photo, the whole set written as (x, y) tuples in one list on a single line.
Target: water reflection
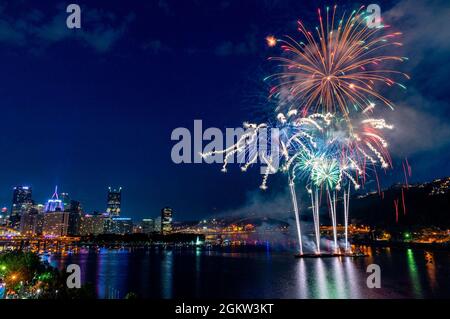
[(336, 278), (321, 290), (431, 270), (166, 274), (412, 268), (351, 272), (111, 273), (340, 282), (198, 270), (199, 273), (302, 282)]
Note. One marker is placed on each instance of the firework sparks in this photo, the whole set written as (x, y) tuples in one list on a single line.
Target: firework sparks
[(338, 69)]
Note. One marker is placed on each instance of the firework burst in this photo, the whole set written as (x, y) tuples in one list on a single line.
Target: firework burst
[(337, 69)]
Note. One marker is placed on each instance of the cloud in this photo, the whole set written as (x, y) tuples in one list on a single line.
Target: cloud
[(229, 48), (261, 204), (165, 7), (248, 46), (421, 116), (417, 131), (100, 29), (156, 47), (423, 25)]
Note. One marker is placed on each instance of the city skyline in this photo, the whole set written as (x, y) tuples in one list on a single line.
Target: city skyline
[(8, 208), (60, 201)]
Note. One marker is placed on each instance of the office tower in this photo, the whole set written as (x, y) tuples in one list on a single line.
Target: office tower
[(4, 216), (92, 224), (39, 224), (54, 204), (157, 224), (65, 198), (148, 225), (39, 207), (31, 222), (166, 220), (118, 225), (137, 228), (74, 210), (113, 202), (56, 224), (27, 224), (122, 226), (21, 203)]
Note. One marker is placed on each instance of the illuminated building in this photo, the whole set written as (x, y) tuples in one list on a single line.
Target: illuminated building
[(157, 224), (137, 229), (54, 204), (74, 210), (4, 216), (166, 220), (148, 225), (119, 226), (63, 203), (92, 224), (65, 198), (113, 202), (21, 203), (31, 223), (56, 224)]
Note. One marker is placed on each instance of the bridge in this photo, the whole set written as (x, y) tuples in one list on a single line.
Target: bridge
[(12, 238)]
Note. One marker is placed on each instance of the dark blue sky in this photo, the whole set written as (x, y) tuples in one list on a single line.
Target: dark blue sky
[(86, 109)]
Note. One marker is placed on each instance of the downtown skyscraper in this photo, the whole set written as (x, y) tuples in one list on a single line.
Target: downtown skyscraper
[(21, 203), (114, 202), (166, 220)]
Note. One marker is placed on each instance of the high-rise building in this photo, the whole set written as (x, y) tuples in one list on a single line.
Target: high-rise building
[(31, 222), (148, 225), (21, 203), (74, 210), (166, 220), (56, 223), (119, 226), (65, 198), (113, 202), (54, 204), (157, 225), (92, 224), (4, 216)]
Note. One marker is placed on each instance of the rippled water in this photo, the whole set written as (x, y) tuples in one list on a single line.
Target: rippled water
[(405, 273)]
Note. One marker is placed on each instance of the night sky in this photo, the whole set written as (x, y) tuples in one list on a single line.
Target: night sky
[(91, 108)]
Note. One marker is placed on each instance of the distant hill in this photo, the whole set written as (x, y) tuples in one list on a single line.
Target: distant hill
[(427, 204)]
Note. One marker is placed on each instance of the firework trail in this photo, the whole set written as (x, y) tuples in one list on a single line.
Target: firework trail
[(396, 210), (405, 175), (346, 206), (338, 68), (297, 215), (403, 202), (337, 158)]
